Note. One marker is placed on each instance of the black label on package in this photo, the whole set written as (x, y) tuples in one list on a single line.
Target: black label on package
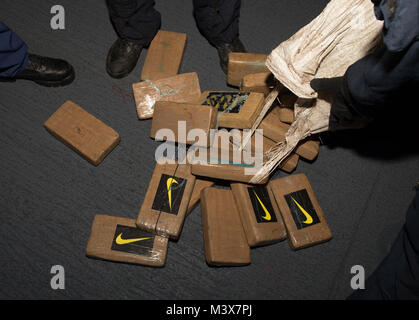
[(229, 102), (169, 194), (261, 204), (302, 209), (133, 240)]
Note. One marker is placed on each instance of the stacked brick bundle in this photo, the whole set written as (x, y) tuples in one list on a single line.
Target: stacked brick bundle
[(235, 219)]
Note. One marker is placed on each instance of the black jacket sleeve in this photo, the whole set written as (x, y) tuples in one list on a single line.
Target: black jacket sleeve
[(392, 71)]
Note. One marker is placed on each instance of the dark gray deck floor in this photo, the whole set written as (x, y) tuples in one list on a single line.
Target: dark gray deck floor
[(49, 194)]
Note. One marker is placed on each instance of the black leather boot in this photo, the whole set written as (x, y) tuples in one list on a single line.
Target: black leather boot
[(225, 48), (122, 58), (47, 72)]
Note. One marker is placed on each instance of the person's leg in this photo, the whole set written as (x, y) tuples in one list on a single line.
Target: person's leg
[(397, 277), (218, 21), (135, 20), (136, 23), (17, 63), (13, 53)]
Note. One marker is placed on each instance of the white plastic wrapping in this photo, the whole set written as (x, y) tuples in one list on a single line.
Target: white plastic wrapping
[(343, 33), (183, 88)]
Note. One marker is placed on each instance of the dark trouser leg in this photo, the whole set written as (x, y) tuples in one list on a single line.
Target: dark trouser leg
[(218, 20), (13, 53), (135, 20), (397, 277)]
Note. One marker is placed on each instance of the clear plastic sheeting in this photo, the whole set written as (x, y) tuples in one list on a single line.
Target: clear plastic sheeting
[(146, 102), (182, 88), (119, 239)]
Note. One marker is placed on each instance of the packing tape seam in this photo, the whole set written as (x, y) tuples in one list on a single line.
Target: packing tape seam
[(170, 189)]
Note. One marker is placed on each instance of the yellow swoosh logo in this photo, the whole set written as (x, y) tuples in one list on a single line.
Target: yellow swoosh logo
[(119, 240), (309, 219), (267, 216), (169, 183)]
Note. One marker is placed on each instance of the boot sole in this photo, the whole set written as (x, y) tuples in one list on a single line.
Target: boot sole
[(47, 83), (54, 83), (120, 75)]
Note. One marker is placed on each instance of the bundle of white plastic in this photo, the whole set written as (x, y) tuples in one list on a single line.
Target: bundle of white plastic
[(343, 33)]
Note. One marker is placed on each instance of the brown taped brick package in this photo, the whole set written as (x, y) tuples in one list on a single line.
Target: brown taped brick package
[(259, 214), (231, 172), (287, 99), (224, 238), (236, 109), (286, 115), (167, 115), (164, 55), (200, 184), (288, 165), (82, 132), (241, 64), (232, 164), (217, 167), (166, 201), (180, 88), (118, 239), (275, 129), (262, 82), (300, 210)]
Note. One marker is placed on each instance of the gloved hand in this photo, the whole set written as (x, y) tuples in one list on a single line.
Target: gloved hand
[(342, 115)]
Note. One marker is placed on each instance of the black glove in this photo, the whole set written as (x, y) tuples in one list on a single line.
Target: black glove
[(342, 115)]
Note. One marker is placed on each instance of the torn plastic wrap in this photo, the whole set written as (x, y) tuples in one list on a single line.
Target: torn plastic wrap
[(343, 33), (119, 239), (182, 88)]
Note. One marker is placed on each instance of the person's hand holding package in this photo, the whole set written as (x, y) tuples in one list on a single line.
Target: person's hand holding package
[(378, 81), (342, 114)]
